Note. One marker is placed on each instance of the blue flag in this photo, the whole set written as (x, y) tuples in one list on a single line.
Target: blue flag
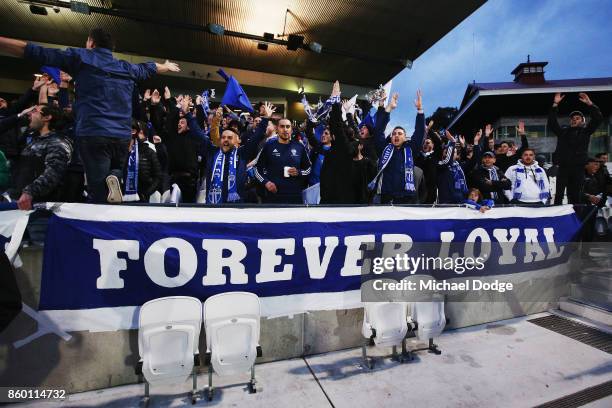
[(53, 72), (234, 94)]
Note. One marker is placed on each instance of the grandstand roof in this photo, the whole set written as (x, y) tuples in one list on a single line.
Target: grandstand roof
[(381, 33)]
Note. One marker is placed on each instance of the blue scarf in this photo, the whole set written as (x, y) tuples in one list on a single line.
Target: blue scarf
[(131, 179), (315, 175), (458, 177), (385, 159), (493, 177), (216, 185), (322, 110), (520, 174), (205, 102)]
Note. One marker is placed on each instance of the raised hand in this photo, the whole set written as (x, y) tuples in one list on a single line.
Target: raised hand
[(381, 102), (462, 140), (418, 102), (38, 82), (521, 127), (185, 104), (558, 98), (450, 137), (156, 139), (584, 98), (52, 89), (429, 125), (393, 102), (147, 95), (219, 113), (171, 66), (336, 89), (269, 109), (155, 97), (477, 137), (198, 100), (26, 111), (488, 130), (167, 94)]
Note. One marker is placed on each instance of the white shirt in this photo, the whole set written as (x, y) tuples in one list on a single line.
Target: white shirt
[(530, 189)]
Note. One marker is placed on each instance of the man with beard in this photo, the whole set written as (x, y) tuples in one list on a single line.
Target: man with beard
[(226, 174), (395, 178), (529, 181), (41, 165), (283, 167), (489, 179)]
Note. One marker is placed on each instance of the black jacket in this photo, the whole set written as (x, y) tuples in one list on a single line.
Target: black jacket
[(481, 179), (593, 184), (40, 167), (149, 171), (335, 172), (573, 143), (503, 161)]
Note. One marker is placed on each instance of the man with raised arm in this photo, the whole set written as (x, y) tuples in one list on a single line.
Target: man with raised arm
[(571, 153), (103, 108), (226, 165), (395, 178)]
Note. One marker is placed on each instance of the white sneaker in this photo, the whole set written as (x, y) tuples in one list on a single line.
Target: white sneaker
[(114, 190)]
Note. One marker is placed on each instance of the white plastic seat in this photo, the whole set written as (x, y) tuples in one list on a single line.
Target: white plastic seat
[(168, 334), (231, 321), (385, 323), (430, 318)]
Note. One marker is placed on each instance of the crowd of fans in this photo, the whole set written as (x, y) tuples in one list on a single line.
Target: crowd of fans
[(109, 142)]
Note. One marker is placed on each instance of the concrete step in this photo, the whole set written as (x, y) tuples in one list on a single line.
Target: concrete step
[(591, 296), (600, 281), (601, 318)]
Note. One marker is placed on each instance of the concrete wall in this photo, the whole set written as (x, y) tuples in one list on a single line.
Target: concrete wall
[(98, 360)]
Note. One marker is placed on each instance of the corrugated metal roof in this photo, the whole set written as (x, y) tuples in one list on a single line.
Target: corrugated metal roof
[(390, 29)]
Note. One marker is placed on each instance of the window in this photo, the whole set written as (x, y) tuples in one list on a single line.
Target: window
[(600, 140)]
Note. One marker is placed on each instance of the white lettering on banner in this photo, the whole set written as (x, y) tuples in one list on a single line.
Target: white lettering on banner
[(110, 264), (395, 245), (485, 244), (532, 246), (216, 262), (354, 254), (270, 260), (317, 267), (154, 262), (273, 265), (507, 245), (553, 251)]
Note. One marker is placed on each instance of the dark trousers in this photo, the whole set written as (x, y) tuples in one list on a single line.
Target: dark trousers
[(569, 177), (527, 204), (188, 185), (102, 156), (388, 199)]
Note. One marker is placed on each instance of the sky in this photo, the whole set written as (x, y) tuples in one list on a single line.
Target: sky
[(574, 36)]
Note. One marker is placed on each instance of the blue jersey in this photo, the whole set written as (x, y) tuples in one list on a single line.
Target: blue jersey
[(271, 163)]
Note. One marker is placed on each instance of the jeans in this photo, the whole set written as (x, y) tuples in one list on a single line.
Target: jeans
[(102, 156)]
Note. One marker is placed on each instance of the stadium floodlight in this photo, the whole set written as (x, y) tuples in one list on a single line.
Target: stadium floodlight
[(294, 42), (80, 7), (407, 63), (41, 11), (216, 29), (315, 47)]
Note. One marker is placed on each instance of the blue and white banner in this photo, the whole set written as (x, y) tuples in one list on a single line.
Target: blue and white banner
[(102, 262), (12, 226)]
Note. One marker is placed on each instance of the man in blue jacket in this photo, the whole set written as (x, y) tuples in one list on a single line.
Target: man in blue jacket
[(395, 178), (283, 167), (104, 87)]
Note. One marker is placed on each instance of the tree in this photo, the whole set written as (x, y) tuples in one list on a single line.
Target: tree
[(442, 117)]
